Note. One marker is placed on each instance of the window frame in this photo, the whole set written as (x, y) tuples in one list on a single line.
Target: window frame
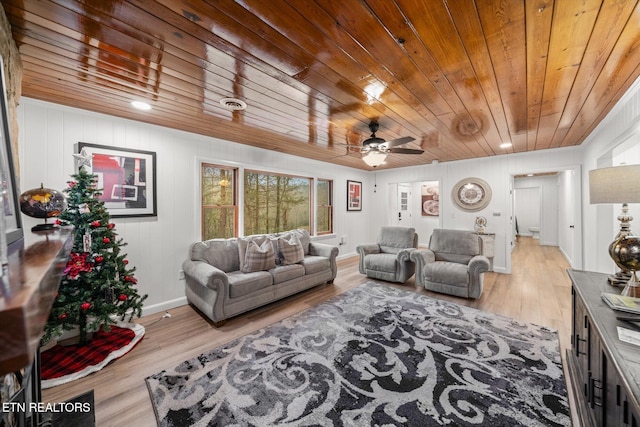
[(235, 201), (329, 205)]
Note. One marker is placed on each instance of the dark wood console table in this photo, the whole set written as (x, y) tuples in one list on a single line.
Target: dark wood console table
[(27, 291), (604, 371)]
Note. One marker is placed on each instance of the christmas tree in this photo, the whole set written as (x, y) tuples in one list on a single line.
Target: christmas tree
[(97, 285)]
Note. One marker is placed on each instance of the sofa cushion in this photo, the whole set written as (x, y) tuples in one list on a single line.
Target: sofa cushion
[(290, 250), (314, 264), (381, 262), (258, 258), (241, 284), (282, 273), (450, 273)]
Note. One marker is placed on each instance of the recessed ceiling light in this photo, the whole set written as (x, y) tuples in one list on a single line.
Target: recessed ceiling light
[(141, 105), (505, 145)]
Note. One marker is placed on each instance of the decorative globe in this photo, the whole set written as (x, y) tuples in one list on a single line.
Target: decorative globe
[(625, 252), (42, 203)]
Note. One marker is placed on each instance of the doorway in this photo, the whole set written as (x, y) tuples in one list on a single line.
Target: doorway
[(400, 204)]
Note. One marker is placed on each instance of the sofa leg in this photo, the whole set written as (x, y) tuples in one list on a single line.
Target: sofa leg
[(220, 323), (330, 282)]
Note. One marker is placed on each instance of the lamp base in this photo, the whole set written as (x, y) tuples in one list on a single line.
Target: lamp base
[(621, 278)]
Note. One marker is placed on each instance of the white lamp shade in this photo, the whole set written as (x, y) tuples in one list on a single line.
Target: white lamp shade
[(618, 184), (374, 158)]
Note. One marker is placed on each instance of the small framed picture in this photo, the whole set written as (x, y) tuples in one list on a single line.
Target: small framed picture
[(127, 178), (354, 195)]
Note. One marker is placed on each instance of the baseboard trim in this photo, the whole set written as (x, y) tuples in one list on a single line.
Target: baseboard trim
[(164, 306)]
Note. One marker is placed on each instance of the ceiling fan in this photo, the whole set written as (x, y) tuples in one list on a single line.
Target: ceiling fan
[(376, 149)]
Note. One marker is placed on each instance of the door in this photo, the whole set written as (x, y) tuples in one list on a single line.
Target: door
[(400, 205)]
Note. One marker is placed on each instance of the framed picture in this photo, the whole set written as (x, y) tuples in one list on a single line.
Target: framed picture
[(10, 220), (127, 178), (430, 200), (354, 196)]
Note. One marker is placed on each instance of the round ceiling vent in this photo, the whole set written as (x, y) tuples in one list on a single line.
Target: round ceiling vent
[(233, 104)]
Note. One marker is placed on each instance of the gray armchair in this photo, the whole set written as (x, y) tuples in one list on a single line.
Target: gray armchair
[(453, 264), (389, 258)]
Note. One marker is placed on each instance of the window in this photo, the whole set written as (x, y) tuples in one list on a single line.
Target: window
[(219, 207), (324, 199), (274, 202)]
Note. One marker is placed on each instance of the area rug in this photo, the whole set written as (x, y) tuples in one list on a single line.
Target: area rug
[(62, 364), (373, 356)]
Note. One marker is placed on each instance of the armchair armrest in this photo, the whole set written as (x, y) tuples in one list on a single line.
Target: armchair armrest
[(364, 250), (421, 257), (368, 248), (405, 254), (478, 264)]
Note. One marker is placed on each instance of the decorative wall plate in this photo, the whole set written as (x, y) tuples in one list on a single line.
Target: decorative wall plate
[(471, 194)]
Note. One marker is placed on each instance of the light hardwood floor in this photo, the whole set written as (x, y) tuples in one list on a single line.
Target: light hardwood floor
[(537, 291)]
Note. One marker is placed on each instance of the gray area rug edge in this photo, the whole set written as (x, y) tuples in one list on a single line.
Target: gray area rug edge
[(373, 355)]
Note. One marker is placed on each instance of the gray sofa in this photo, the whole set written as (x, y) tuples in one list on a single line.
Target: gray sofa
[(452, 264), (388, 258), (226, 277)]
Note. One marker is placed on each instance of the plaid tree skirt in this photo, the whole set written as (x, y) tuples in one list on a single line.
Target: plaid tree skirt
[(62, 364)]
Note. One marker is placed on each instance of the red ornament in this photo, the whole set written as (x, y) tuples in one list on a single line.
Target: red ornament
[(130, 279), (72, 184), (95, 224), (99, 258), (122, 297), (62, 316), (111, 225), (85, 306), (125, 261), (106, 240), (58, 222)]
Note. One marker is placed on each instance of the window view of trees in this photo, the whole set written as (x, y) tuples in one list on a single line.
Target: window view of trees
[(274, 203), (324, 199), (219, 208)]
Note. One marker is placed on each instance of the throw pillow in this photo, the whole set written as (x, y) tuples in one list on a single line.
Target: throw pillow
[(259, 258), (291, 251)]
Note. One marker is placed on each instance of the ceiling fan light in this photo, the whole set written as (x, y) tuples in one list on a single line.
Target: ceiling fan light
[(374, 158)]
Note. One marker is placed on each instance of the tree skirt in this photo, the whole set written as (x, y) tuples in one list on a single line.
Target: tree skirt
[(62, 364), (374, 355)]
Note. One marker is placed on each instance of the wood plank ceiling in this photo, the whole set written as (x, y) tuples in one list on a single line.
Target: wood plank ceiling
[(462, 77)]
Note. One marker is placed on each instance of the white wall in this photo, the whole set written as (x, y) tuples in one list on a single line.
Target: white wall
[(158, 246)]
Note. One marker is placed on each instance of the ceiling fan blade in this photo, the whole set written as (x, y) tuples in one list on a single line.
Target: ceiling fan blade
[(405, 151), (396, 142)]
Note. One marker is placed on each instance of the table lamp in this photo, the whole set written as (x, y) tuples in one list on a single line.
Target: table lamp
[(619, 184)]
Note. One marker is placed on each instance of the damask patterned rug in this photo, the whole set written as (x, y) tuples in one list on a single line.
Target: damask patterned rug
[(375, 355)]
